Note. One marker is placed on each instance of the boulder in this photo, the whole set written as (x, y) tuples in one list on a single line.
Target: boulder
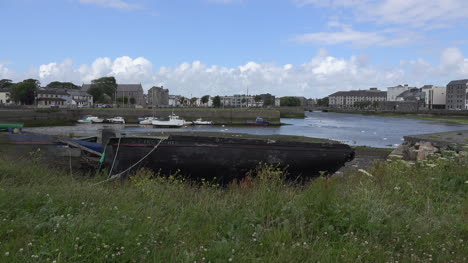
[(399, 152), (426, 149)]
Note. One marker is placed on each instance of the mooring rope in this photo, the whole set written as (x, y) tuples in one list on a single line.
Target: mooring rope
[(115, 157), (115, 176)]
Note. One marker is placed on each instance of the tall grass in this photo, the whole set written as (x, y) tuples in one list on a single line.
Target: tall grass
[(396, 212)]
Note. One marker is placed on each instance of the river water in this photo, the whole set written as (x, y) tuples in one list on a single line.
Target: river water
[(352, 129)]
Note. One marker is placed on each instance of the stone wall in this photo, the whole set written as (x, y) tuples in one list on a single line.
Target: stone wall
[(219, 116)]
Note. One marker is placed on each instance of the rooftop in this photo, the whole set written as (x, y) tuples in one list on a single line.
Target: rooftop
[(361, 93), (458, 82)]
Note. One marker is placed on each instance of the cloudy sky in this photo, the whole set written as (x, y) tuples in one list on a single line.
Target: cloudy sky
[(219, 47)]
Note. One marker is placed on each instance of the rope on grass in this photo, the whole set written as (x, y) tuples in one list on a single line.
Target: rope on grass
[(115, 176)]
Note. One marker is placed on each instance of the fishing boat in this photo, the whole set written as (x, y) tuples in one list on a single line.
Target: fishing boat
[(258, 122), (88, 119), (200, 121), (223, 159), (173, 122)]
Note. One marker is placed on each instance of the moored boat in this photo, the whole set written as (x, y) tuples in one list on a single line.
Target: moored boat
[(88, 119), (258, 122), (173, 122), (116, 120), (200, 121), (146, 120), (225, 159)]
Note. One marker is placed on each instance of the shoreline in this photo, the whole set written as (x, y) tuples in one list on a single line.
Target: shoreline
[(420, 116)]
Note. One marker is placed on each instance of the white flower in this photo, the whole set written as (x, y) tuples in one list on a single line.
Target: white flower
[(7, 253)]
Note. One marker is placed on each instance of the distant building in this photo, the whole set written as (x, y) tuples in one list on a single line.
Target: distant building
[(434, 97), (393, 92), (158, 96), (240, 101), (80, 98), (277, 102), (174, 100), (413, 94), (457, 95), (346, 99), (126, 90), (47, 98), (5, 96)]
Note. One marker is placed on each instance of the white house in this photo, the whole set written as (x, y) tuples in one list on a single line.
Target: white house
[(5, 96), (48, 98)]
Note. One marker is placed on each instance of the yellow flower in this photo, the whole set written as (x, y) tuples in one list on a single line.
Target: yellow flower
[(149, 217)]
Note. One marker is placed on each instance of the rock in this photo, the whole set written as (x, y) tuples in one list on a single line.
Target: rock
[(411, 153), (426, 149), (399, 152)]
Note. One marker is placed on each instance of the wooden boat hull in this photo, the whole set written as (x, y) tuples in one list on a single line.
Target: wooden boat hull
[(225, 159)]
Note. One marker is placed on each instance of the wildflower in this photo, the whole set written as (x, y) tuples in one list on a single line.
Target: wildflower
[(397, 188), (21, 250), (30, 244), (7, 253), (230, 259), (149, 217)]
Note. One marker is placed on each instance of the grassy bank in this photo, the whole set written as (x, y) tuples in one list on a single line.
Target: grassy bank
[(399, 212), (457, 119)]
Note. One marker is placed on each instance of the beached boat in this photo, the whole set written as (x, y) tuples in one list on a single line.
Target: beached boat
[(10, 126), (224, 159), (173, 122), (146, 120), (117, 120), (87, 119), (258, 122), (202, 122)]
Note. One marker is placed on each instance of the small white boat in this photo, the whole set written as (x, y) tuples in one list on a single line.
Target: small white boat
[(188, 122), (146, 121), (88, 119), (118, 120), (97, 120), (173, 122), (202, 122)]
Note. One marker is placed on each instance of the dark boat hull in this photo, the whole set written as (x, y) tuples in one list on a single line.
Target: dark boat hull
[(225, 159)]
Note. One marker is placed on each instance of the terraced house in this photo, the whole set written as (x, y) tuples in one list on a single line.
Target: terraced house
[(346, 99), (457, 95)]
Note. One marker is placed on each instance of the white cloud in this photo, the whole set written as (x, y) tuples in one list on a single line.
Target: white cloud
[(415, 13), (322, 75), (116, 4), (356, 38)]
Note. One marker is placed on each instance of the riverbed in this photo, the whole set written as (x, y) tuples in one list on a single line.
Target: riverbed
[(352, 129)]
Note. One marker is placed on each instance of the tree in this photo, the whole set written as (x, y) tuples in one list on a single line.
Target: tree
[(132, 100), (6, 83), (257, 98), (324, 102), (217, 101), (101, 87), (268, 101), (182, 100), (205, 99), (62, 85), (375, 104), (193, 100), (290, 102), (122, 100), (24, 92)]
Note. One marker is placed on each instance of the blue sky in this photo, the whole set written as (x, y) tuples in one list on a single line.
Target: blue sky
[(285, 47)]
